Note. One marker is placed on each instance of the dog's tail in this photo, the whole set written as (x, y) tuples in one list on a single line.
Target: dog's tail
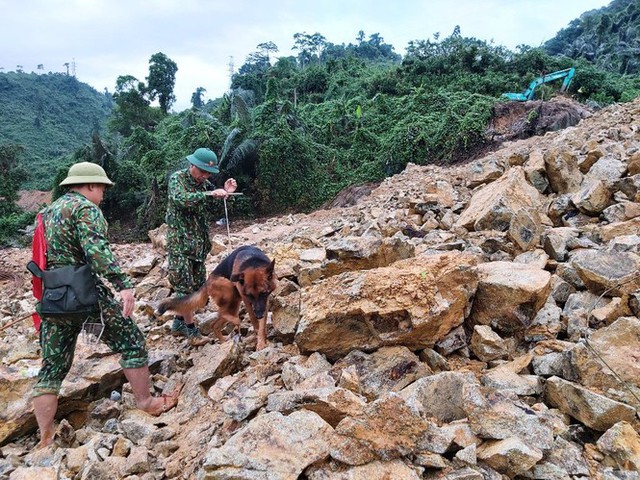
[(187, 304)]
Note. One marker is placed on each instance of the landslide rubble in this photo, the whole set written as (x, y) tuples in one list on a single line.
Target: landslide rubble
[(470, 322)]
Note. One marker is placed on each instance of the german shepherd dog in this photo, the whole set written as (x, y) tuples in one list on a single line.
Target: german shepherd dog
[(245, 275)]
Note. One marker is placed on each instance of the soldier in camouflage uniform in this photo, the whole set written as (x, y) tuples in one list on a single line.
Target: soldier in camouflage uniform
[(76, 233), (188, 235)]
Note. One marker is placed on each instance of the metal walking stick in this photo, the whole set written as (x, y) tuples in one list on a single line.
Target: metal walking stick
[(226, 219)]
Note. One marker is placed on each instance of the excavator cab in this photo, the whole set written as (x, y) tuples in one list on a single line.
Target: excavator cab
[(528, 94)]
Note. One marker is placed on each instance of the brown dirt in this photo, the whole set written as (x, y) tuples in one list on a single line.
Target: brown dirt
[(33, 200), (515, 120), (351, 195)]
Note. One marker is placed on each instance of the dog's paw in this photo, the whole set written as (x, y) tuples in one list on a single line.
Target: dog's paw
[(150, 309)]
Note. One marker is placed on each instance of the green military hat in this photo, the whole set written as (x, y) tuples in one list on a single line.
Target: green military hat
[(86, 172), (204, 159)]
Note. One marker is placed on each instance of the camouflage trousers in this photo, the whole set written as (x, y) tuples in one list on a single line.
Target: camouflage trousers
[(186, 275), (58, 337)]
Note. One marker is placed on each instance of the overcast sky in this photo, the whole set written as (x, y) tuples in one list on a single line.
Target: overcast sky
[(107, 38)]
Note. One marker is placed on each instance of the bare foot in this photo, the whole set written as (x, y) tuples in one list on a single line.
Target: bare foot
[(46, 440), (156, 406)]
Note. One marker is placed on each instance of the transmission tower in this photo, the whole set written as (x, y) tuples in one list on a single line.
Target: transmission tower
[(73, 67)]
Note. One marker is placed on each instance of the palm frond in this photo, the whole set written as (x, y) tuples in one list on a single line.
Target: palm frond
[(244, 150), (229, 142), (242, 101)]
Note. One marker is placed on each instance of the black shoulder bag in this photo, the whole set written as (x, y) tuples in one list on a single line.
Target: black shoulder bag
[(67, 291)]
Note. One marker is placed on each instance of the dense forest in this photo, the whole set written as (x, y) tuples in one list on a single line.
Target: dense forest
[(50, 115), (295, 130), (608, 37)]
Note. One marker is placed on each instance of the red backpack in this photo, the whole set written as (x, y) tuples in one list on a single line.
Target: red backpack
[(39, 256)]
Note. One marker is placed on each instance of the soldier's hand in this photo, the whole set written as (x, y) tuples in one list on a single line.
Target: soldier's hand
[(128, 299), (230, 185), (218, 193)]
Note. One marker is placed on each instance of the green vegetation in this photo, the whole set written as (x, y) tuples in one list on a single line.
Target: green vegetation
[(296, 130), (608, 37), (49, 115), (12, 219)]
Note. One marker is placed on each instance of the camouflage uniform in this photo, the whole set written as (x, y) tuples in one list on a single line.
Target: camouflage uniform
[(76, 234), (188, 236)]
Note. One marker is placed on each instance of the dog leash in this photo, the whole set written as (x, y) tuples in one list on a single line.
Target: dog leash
[(226, 219), (226, 222)]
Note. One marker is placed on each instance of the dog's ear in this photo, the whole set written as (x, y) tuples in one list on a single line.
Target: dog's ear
[(238, 277), (270, 269)]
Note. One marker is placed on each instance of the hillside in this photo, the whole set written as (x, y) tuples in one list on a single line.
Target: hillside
[(477, 321), (51, 115), (297, 130), (609, 37)]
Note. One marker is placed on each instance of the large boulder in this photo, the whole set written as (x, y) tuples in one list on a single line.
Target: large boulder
[(388, 369), (494, 205), (509, 295), (563, 171), (615, 273), (616, 345), (594, 410), (413, 302), (271, 447), (387, 428)]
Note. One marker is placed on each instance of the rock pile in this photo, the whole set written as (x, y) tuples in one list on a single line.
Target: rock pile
[(471, 322)]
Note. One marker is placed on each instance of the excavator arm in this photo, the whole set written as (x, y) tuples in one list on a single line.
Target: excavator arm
[(528, 94)]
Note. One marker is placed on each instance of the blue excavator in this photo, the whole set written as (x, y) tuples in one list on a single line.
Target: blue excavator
[(567, 74)]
